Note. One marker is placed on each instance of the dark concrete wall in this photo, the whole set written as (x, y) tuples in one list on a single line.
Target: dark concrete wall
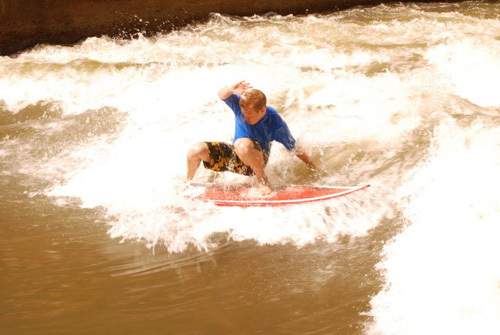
[(25, 23)]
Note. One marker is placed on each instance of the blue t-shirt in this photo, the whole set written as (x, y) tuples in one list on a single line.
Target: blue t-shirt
[(270, 128)]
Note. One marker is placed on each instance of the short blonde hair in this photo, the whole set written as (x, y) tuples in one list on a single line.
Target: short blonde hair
[(253, 99)]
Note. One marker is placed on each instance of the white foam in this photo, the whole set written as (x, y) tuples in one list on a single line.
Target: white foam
[(442, 273), (473, 68)]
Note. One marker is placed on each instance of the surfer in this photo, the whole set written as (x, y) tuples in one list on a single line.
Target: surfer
[(256, 126)]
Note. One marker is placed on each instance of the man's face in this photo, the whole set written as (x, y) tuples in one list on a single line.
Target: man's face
[(253, 116)]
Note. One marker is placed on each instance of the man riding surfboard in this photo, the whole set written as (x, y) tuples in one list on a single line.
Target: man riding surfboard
[(256, 126)]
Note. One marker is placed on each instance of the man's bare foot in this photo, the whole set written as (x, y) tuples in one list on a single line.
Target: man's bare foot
[(264, 189)]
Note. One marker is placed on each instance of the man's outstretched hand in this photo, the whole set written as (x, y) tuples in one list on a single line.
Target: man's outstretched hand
[(241, 87)]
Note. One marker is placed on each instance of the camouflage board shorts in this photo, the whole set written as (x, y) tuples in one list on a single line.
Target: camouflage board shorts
[(224, 158)]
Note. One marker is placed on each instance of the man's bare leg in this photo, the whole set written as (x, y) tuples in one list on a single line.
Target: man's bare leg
[(245, 149), (197, 153)]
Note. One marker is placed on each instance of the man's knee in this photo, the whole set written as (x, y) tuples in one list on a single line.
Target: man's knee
[(244, 147), (199, 151)]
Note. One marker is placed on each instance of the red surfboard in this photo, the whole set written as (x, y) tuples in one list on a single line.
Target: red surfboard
[(244, 196)]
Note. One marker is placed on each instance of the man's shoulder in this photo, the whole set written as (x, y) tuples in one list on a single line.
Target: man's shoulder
[(272, 110), (233, 101), (273, 116)]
